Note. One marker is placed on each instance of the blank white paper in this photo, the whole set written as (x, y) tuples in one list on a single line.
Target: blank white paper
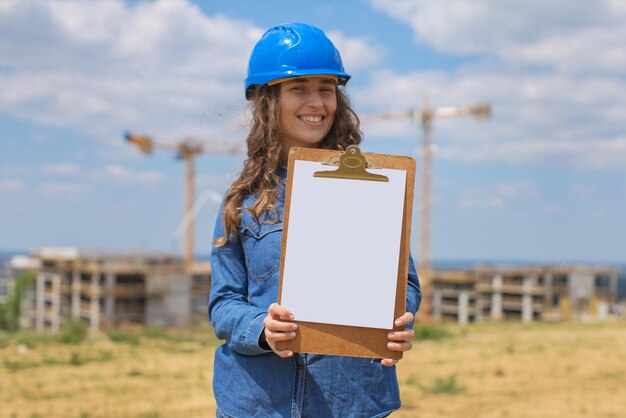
[(343, 248)]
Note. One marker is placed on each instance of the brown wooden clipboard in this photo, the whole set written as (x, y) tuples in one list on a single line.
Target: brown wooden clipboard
[(331, 339)]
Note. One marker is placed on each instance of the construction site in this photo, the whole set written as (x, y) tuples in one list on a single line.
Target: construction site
[(106, 290), (548, 292), (110, 289)]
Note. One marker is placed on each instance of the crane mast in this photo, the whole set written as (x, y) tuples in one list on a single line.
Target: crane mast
[(187, 150), (426, 115)]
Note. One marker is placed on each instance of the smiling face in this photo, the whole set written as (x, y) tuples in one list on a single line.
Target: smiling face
[(307, 110)]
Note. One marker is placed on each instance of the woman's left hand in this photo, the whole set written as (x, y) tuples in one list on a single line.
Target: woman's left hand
[(399, 340)]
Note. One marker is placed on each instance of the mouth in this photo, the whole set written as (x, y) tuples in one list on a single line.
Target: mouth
[(312, 118)]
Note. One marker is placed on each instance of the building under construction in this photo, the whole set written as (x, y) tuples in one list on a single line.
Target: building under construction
[(107, 290), (525, 294)]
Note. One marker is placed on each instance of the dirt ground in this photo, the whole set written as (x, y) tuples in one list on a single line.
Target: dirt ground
[(487, 370)]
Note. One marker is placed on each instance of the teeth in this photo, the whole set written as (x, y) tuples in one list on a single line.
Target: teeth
[(312, 118)]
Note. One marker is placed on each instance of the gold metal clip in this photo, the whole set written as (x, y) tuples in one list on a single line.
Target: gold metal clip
[(351, 165)]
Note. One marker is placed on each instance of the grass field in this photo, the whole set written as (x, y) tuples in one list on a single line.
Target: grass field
[(486, 370)]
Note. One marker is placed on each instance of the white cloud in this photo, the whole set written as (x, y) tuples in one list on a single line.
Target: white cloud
[(356, 53), (598, 213), (11, 185), (583, 192), (114, 172), (536, 117), (7, 5), (526, 100), (118, 172), (553, 75), (105, 67), (470, 199), (15, 170), (592, 50), (497, 195), (60, 168), (580, 37), (215, 182), (38, 138), (516, 189), (71, 190), (594, 154)]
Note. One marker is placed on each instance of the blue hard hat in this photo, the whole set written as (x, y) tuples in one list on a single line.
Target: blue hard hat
[(293, 50)]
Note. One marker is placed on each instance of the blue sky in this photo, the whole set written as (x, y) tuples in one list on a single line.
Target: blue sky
[(543, 179)]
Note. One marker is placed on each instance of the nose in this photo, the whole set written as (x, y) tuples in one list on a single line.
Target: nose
[(314, 99)]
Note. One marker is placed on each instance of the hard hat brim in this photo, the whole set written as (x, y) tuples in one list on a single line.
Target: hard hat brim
[(265, 78)]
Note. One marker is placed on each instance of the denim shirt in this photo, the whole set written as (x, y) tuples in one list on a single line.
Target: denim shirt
[(249, 381)]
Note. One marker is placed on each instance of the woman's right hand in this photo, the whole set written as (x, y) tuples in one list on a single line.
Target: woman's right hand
[(278, 327)]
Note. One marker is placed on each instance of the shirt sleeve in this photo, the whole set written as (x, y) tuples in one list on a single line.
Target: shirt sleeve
[(413, 292), (231, 314)]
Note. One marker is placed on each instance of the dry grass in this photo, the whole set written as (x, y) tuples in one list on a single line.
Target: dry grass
[(512, 370), (491, 370)]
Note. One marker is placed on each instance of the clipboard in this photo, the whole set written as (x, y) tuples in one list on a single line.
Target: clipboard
[(328, 172)]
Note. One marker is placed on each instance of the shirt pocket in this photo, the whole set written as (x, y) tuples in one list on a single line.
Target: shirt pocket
[(262, 243)]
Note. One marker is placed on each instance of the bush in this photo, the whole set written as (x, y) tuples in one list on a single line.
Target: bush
[(34, 339), (429, 332), (445, 385), (4, 320), (10, 312), (76, 359), (74, 332), (158, 333), (4, 339), (121, 336)]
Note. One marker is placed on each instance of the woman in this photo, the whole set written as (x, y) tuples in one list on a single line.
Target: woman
[(294, 81)]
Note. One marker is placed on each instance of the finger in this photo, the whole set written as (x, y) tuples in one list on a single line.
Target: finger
[(278, 325), (284, 353), (279, 336), (400, 346), (277, 311), (388, 362), (401, 335), (404, 319)]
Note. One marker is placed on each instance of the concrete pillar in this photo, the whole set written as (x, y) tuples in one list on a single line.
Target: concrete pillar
[(566, 310), (109, 304), (55, 299), (40, 302), (94, 303), (75, 294), (478, 308), (496, 297), (437, 305), (548, 291), (613, 288), (527, 299), (602, 311), (463, 313)]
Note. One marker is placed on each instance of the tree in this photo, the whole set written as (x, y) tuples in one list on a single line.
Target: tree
[(11, 311)]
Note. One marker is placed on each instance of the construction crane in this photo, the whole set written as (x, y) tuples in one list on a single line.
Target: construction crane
[(425, 116), (186, 150)]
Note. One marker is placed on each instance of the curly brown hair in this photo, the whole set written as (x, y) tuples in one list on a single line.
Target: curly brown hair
[(259, 174)]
